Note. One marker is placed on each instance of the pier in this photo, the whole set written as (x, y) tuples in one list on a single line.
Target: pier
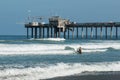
[(63, 28)]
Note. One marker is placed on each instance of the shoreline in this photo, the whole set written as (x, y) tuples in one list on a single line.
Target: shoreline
[(104, 76)]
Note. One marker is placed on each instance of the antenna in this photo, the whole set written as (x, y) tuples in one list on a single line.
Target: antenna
[(56, 14), (29, 15), (40, 18)]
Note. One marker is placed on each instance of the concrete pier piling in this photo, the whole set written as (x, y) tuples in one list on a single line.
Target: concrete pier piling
[(86, 32), (68, 33), (111, 33), (32, 32), (91, 33), (82, 33), (101, 32), (106, 32), (40, 33), (116, 32), (96, 32), (77, 33), (65, 34), (27, 33)]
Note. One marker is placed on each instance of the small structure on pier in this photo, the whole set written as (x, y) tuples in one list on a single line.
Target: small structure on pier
[(58, 23), (58, 27)]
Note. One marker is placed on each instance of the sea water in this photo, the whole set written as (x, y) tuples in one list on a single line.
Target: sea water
[(37, 59)]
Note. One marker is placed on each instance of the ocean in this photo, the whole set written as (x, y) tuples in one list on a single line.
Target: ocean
[(49, 58)]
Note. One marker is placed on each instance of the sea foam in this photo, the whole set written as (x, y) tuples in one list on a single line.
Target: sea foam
[(56, 48), (57, 70), (50, 39)]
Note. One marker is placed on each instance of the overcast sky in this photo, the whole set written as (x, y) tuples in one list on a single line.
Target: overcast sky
[(15, 11)]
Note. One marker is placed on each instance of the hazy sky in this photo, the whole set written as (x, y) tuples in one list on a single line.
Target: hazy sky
[(15, 11)]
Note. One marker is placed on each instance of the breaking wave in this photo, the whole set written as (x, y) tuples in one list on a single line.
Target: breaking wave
[(51, 39), (57, 48), (57, 70)]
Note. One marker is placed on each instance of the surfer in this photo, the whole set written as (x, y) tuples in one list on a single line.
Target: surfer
[(79, 50)]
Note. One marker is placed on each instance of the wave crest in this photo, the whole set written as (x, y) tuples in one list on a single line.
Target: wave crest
[(57, 48)]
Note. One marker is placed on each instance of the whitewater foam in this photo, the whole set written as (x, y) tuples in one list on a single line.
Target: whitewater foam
[(56, 70), (50, 39), (33, 49), (56, 48)]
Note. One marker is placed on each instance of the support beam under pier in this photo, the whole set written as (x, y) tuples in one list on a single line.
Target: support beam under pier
[(65, 34), (91, 32), (77, 33), (96, 33), (116, 32), (51, 31), (55, 32), (101, 32), (106, 32), (111, 33), (47, 32), (68, 33), (27, 33), (35, 33), (40, 32), (31, 32), (82, 33), (86, 32), (59, 32), (73, 33), (43, 32)]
